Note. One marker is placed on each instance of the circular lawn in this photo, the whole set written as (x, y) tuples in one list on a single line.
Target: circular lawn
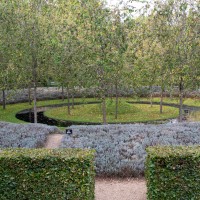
[(126, 113)]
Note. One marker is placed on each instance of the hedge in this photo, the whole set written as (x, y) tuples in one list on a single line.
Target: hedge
[(173, 173), (46, 174)]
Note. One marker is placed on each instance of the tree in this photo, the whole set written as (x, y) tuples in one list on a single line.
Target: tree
[(68, 46), (99, 44), (119, 48), (33, 26), (174, 30), (183, 44), (8, 74)]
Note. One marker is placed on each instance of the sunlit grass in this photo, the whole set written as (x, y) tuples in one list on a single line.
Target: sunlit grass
[(194, 117), (11, 110), (137, 116), (127, 113), (186, 101)]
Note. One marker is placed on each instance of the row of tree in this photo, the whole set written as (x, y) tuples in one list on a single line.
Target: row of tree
[(84, 43)]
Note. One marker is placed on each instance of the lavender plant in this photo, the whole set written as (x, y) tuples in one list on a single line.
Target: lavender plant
[(24, 135), (120, 149)]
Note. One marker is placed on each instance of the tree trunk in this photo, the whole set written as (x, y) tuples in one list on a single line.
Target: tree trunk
[(161, 95), (63, 97), (34, 72), (68, 101), (151, 100), (30, 116), (111, 95), (117, 101), (171, 92), (35, 102), (104, 110), (181, 100), (73, 98), (161, 101), (29, 95), (4, 99), (151, 97)]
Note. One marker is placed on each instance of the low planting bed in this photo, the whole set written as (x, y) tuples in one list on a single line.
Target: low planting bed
[(173, 173), (46, 174), (24, 135), (121, 149)]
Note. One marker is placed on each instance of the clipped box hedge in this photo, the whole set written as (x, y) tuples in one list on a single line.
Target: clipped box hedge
[(46, 174), (173, 173)]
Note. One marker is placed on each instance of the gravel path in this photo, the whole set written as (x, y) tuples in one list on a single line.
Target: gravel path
[(53, 141), (109, 189), (121, 189)]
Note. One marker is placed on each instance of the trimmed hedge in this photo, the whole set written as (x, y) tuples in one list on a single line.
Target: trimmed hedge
[(46, 174), (173, 173)]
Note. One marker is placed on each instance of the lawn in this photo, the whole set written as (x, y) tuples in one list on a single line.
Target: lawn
[(127, 113), (195, 116), (9, 113), (187, 101), (130, 113)]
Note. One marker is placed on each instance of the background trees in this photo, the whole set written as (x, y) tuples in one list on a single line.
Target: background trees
[(177, 21), (34, 22), (87, 44), (67, 46), (8, 51)]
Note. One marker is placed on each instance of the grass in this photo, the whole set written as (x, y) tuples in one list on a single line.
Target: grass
[(188, 101), (194, 116), (127, 113), (8, 115)]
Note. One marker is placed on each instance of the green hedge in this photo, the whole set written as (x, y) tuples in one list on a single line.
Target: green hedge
[(46, 174), (173, 173)]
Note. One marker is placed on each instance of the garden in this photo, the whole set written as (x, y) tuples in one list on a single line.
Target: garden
[(93, 92)]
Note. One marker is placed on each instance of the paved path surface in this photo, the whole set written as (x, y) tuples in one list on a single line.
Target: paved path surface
[(121, 189), (53, 141)]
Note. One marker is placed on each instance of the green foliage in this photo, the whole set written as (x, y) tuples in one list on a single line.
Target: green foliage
[(47, 174), (93, 46), (173, 173)]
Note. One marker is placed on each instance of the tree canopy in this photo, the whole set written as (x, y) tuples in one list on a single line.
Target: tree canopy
[(84, 43)]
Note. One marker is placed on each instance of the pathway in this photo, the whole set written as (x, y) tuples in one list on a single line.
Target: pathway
[(121, 189), (109, 189), (53, 141)]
